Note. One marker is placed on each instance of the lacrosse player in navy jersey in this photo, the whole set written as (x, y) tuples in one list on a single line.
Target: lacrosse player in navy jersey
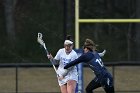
[(102, 77)]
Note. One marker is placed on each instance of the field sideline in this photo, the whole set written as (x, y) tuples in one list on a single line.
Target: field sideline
[(44, 79)]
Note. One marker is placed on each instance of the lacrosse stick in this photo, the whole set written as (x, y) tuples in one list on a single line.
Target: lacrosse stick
[(41, 42)]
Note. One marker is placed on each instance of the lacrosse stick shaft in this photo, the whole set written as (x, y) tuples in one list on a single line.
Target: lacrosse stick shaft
[(46, 49), (50, 59), (40, 40)]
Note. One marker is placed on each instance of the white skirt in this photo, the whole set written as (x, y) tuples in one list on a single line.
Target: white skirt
[(72, 75)]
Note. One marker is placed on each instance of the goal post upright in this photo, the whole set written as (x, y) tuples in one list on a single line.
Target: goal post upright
[(77, 24)]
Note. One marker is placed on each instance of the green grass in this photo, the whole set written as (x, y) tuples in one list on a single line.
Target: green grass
[(44, 79)]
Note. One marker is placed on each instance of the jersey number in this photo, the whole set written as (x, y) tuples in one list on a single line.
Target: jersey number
[(65, 63), (100, 62)]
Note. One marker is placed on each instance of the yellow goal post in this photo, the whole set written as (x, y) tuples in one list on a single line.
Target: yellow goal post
[(78, 21)]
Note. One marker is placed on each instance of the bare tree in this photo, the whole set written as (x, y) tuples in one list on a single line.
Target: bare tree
[(9, 17)]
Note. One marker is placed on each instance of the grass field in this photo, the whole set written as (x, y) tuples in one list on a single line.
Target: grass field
[(44, 79)]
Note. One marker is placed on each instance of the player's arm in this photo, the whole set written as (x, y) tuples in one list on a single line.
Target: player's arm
[(82, 58), (52, 59), (62, 72)]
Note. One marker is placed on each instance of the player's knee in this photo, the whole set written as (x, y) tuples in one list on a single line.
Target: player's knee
[(71, 89), (88, 90)]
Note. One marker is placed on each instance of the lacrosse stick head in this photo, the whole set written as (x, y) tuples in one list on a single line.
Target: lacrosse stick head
[(39, 39), (40, 35)]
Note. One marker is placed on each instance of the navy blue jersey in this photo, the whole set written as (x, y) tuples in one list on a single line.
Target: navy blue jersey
[(93, 60)]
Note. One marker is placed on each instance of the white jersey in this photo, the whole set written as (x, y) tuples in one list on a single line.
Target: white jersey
[(65, 59)]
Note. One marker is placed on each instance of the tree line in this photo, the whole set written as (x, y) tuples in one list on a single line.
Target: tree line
[(21, 20)]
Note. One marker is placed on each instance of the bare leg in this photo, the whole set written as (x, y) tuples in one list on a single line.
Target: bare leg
[(63, 88), (71, 85)]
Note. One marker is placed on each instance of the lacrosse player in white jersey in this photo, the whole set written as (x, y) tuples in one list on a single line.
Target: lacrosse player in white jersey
[(67, 78)]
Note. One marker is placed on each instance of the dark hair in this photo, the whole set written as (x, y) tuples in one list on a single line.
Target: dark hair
[(69, 37)]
